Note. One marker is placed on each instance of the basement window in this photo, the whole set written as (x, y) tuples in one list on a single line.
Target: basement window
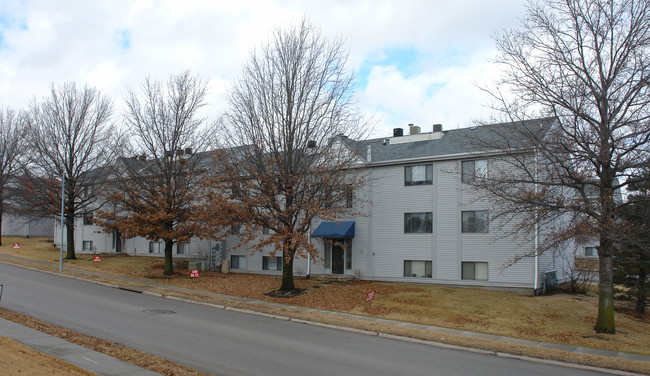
[(237, 262), (417, 269), (271, 263), (477, 271)]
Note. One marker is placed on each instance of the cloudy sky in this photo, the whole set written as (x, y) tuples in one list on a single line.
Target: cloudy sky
[(416, 61)]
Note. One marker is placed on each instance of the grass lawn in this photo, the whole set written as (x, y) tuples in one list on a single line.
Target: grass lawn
[(558, 318), (18, 359)]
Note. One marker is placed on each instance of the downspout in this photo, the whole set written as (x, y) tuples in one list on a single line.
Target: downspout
[(536, 263), (309, 254)]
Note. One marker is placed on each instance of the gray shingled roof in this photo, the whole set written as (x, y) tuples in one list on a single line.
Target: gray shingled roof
[(457, 141)]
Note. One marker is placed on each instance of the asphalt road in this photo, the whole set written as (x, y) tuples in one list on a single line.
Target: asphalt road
[(231, 343)]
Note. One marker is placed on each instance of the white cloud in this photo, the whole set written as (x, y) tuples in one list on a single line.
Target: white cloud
[(115, 44)]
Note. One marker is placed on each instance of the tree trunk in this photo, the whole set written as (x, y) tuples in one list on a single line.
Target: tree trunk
[(605, 320), (69, 226), (169, 262), (287, 272)]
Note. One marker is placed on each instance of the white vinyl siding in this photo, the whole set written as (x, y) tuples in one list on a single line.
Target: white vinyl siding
[(447, 223), (390, 200)]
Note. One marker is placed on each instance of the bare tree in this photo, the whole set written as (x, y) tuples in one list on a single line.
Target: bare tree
[(70, 137), (585, 63), (159, 193), (12, 148), (287, 161)]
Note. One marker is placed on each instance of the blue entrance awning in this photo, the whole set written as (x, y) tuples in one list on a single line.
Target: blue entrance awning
[(334, 230)]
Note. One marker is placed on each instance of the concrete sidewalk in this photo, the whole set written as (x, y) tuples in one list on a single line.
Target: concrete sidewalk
[(144, 287), (81, 357)]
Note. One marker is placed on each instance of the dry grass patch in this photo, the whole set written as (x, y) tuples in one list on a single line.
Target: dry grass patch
[(428, 335), (18, 359), (136, 357), (559, 318), (39, 249)]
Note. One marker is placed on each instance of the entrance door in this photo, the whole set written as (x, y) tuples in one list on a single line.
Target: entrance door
[(337, 259)]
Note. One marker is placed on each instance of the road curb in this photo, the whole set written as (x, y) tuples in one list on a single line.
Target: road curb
[(145, 291)]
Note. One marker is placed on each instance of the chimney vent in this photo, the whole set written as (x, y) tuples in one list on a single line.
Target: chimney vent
[(398, 132), (414, 129), (437, 127)]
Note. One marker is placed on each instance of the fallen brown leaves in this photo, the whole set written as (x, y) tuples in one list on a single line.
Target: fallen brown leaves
[(560, 318)]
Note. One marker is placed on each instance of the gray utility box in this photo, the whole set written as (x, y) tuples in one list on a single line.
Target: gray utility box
[(198, 265)]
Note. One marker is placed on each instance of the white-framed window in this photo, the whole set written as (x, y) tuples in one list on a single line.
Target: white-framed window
[(474, 221), (88, 219), (156, 247), (590, 251), (418, 269), (473, 169), (237, 262), (475, 270), (327, 253), (272, 263), (418, 222), (182, 248), (87, 245), (342, 197), (418, 175)]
